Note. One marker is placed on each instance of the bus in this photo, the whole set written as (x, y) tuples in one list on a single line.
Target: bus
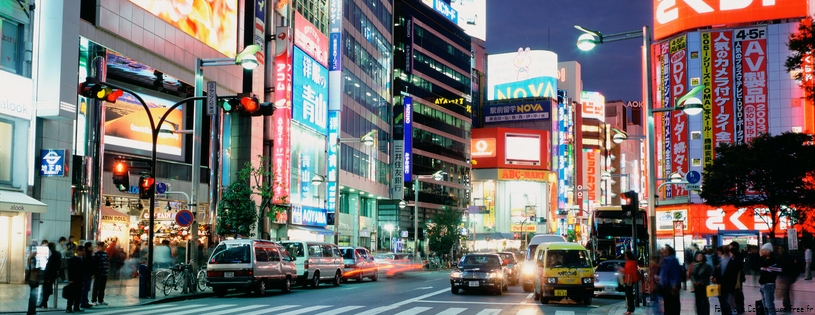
[(611, 234)]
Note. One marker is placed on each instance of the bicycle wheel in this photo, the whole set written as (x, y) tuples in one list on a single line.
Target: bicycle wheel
[(161, 274), (202, 280), (169, 284)]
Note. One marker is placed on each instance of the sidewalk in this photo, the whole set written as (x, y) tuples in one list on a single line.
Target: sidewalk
[(801, 295), (119, 293)]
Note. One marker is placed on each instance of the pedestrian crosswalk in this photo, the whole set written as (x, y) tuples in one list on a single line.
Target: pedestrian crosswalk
[(263, 309)]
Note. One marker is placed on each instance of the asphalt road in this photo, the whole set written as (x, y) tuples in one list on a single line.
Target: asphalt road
[(425, 292)]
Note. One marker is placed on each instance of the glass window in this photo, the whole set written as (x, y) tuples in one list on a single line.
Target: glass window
[(11, 47), (261, 255), (274, 255), (231, 254), (567, 259), (315, 251), (6, 151), (295, 249), (327, 252)]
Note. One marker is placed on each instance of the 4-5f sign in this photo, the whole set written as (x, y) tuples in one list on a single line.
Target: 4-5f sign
[(752, 33)]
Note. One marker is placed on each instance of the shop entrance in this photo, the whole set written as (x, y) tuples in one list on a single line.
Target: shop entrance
[(744, 238), (5, 246)]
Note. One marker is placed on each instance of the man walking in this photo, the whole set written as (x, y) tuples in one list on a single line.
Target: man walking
[(738, 293), (100, 280), (90, 271), (808, 262), (670, 277), (769, 271)]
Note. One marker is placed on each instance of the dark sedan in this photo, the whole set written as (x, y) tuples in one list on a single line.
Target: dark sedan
[(513, 267), (479, 272)]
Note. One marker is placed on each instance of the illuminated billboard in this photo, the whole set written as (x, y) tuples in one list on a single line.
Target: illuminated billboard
[(213, 22), (444, 8), (522, 149), (281, 119), (310, 92), (472, 17), (308, 38), (523, 74), (127, 128), (674, 16), (593, 105), (510, 148), (519, 111)]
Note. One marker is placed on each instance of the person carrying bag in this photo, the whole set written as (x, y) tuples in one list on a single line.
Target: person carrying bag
[(700, 279)]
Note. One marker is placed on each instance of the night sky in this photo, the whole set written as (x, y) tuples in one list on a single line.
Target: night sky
[(613, 69)]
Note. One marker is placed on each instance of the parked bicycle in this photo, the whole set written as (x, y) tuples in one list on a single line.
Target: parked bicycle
[(180, 279), (202, 279)]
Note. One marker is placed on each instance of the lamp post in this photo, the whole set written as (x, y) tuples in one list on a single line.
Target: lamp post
[(367, 139), (417, 186), (606, 176), (692, 106), (247, 60)]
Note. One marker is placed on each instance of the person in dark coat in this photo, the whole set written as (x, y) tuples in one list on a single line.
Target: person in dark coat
[(90, 271), (76, 277), (738, 293), (700, 273), (52, 269), (670, 281), (100, 280), (726, 274)]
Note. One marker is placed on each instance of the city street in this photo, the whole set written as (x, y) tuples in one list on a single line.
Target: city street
[(411, 293)]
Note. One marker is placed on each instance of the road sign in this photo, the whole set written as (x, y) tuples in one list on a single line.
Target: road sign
[(184, 218), (161, 187), (212, 98), (693, 187), (693, 177), (792, 239)]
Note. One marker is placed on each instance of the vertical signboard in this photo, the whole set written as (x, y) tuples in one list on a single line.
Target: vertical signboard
[(807, 80), (408, 45), (707, 105), (754, 81), (722, 86), (281, 130), (310, 92), (679, 121), (333, 157), (591, 175), (665, 122), (408, 142), (334, 98), (398, 181), (577, 149)]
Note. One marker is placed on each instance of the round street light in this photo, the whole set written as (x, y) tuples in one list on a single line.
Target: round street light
[(367, 140), (586, 42), (619, 138), (317, 179), (675, 177), (249, 62), (605, 176), (693, 106), (402, 204), (438, 176)]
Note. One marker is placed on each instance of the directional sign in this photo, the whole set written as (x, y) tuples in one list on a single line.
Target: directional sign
[(212, 98), (161, 187), (694, 187), (693, 177), (184, 218)]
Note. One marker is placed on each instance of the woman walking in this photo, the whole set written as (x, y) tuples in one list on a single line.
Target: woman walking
[(631, 275), (700, 277)]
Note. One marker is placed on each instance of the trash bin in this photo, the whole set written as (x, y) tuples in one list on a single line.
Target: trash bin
[(144, 282)]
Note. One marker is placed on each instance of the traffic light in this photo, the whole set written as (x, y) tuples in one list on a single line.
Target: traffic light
[(98, 91), (246, 105), (631, 202), (121, 177), (146, 186)]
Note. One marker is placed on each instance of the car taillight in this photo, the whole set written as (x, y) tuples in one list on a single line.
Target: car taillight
[(215, 273), (243, 272), (305, 265)]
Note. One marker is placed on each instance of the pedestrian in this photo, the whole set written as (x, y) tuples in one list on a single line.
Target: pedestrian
[(62, 248), (653, 284), (100, 279), (34, 276), (162, 256), (769, 271), (90, 272), (631, 276), (786, 278), (808, 262), (738, 293), (700, 276), (71, 245), (52, 268), (76, 277), (670, 277), (755, 257), (726, 275)]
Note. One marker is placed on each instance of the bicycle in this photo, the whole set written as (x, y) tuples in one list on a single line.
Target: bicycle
[(180, 279), (161, 274), (202, 279)]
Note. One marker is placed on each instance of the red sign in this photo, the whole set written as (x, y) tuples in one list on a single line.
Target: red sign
[(674, 16), (281, 120), (808, 79), (484, 147), (592, 176), (679, 228), (708, 220), (489, 148), (184, 218), (310, 39), (679, 121), (721, 88), (754, 81)]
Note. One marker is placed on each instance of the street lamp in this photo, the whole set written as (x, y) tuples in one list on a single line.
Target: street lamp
[(692, 106), (417, 186), (367, 139), (389, 227), (607, 176)]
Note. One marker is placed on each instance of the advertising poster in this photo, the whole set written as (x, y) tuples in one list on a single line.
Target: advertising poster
[(707, 99), (309, 92), (591, 175), (308, 154), (594, 105), (520, 111), (213, 22), (472, 17), (308, 216), (523, 205), (665, 122), (310, 40), (722, 87), (523, 74), (281, 130), (754, 81), (128, 129), (680, 162), (407, 161)]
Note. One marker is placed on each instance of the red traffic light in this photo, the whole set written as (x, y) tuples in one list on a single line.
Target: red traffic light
[(249, 105), (99, 91)]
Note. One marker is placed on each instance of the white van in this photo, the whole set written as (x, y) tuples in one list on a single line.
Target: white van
[(316, 262), (251, 265), (528, 271)]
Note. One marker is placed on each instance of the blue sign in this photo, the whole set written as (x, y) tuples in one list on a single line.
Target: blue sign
[(52, 163), (302, 215), (518, 111), (161, 187), (335, 52), (333, 154), (446, 10), (184, 217), (408, 144), (305, 176), (693, 177), (310, 92)]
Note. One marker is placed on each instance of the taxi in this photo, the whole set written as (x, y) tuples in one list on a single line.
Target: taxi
[(563, 273)]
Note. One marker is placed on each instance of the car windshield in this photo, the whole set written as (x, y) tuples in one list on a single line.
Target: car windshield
[(294, 249), (608, 266), (476, 261), (567, 259), (231, 254), (347, 253), (508, 256)]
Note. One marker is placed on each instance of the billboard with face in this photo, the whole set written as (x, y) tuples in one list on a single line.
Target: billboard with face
[(214, 22), (472, 17), (526, 73)]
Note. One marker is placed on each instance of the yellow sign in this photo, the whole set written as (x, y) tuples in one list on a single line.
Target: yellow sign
[(707, 98), (530, 175), (443, 101), (523, 228)]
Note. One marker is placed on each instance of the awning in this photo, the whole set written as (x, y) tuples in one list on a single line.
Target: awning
[(16, 201), (313, 229), (494, 236), (111, 215)]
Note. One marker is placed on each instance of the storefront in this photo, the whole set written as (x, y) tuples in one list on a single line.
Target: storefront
[(114, 228), (308, 224)]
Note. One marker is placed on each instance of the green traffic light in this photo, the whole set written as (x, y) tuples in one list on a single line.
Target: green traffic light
[(226, 106)]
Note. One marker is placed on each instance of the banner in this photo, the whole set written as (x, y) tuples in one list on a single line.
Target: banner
[(333, 158), (398, 182), (665, 88), (310, 92), (519, 111), (308, 38), (281, 120), (722, 88), (707, 99), (408, 142), (754, 81), (591, 174), (680, 161)]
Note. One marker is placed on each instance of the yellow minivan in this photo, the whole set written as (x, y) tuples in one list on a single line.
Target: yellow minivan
[(563, 271)]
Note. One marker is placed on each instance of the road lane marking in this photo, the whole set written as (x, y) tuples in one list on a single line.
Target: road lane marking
[(273, 309), (564, 312), (140, 309), (239, 309), (531, 311), (203, 310), (452, 311), (489, 311), (477, 302), (304, 310), (378, 310), (414, 311), (340, 310)]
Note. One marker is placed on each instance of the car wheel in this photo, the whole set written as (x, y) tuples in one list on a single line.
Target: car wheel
[(315, 282), (286, 288), (260, 290), (337, 277), (587, 301), (454, 290), (527, 288), (219, 292), (376, 275)]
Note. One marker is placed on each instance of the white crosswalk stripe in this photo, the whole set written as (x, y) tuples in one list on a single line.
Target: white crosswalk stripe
[(452, 311), (340, 310), (238, 310), (414, 311), (378, 310), (271, 309), (291, 309), (305, 310), (489, 311), (161, 308), (129, 310), (564, 312)]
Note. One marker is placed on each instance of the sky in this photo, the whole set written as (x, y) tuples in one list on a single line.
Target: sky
[(613, 69)]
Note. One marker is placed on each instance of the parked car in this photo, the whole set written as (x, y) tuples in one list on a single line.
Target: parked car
[(316, 262), (358, 264), (479, 272), (513, 267), (251, 265), (606, 277)]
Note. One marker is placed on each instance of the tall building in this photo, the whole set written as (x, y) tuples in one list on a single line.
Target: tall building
[(432, 105)]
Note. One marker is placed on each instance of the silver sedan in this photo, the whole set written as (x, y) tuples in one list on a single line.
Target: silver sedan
[(606, 277)]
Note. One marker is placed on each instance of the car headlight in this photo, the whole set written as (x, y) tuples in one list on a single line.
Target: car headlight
[(551, 280), (496, 275), (529, 269), (588, 280), (455, 274)]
